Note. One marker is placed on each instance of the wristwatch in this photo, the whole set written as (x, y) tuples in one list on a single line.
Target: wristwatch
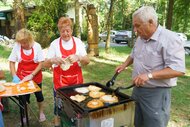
[(150, 76)]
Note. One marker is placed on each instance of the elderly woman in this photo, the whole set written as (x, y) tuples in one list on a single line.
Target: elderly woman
[(66, 54), (29, 56)]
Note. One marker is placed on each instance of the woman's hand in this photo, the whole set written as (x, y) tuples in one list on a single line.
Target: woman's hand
[(57, 60), (16, 79), (74, 58), (27, 78)]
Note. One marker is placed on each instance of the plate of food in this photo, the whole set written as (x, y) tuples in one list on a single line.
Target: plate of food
[(2, 81), (9, 84), (2, 88)]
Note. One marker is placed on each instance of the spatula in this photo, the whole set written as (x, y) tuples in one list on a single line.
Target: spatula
[(112, 81)]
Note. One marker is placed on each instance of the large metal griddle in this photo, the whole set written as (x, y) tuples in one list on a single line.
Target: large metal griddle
[(66, 92)]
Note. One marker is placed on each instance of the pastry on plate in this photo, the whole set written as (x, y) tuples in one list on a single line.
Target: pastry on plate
[(82, 90), (78, 98), (95, 103), (109, 99), (94, 88), (23, 88), (9, 84), (96, 94)]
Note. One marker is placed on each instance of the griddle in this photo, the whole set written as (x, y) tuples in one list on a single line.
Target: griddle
[(66, 92)]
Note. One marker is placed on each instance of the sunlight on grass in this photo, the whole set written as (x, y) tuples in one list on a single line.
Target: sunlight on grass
[(4, 64), (47, 74), (115, 54), (187, 73), (104, 61)]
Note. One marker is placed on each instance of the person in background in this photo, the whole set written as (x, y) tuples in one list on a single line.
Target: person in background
[(2, 76), (29, 56), (158, 59), (66, 54)]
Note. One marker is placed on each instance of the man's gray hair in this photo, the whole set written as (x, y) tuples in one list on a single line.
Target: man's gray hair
[(145, 13)]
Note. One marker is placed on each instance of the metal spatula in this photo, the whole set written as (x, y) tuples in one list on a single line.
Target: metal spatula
[(112, 81)]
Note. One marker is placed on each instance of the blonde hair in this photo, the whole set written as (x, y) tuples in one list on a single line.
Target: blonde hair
[(64, 21), (24, 35)]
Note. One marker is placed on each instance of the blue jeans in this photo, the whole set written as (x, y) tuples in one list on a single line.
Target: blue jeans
[(1, 120)]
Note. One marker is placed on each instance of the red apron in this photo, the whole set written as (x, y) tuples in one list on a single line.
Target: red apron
[(71, 76), (27, 65)]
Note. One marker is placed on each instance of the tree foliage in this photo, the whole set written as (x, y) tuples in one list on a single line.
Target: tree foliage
[(181, 16), (49, 11), (44, 20)]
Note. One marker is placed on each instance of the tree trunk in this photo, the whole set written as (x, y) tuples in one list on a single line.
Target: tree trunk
[(123, 12), (92, 31), (170, 14), (109, 23), (77, 21), (18, 14), (164, 13)]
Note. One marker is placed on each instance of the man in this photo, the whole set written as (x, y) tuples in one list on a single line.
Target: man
[(157, 58), (66, 54)]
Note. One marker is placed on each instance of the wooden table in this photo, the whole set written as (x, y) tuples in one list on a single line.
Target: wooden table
[(16, 91)]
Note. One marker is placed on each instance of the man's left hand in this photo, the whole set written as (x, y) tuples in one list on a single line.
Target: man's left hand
[(140, 79)]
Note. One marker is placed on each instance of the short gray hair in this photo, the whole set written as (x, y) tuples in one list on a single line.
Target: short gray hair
[(145, 13)]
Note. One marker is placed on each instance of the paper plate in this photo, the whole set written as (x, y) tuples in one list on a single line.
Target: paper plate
[(2, 88)]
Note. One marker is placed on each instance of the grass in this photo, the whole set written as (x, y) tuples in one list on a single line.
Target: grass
[(101, 69)]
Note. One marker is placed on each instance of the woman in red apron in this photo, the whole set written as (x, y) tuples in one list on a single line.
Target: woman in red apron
[(66, 54), (26, 53)]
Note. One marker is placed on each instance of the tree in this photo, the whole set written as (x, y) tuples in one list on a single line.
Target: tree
[(170, 14), (44, 20), (181, 13), (18, 8), (77, 16), (109, 23)]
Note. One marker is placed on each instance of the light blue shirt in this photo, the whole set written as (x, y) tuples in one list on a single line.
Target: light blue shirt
[(163, 49)]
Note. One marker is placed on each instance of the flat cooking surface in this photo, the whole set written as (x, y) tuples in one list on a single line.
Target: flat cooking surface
[(70, 91)]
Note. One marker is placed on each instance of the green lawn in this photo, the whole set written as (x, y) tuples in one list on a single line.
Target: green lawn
[(101, 69)]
